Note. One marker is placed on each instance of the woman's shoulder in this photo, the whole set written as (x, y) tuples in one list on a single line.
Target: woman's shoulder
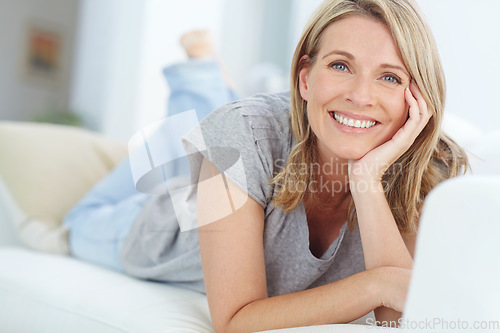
[(262, 101), (273, 109), (245, 140)]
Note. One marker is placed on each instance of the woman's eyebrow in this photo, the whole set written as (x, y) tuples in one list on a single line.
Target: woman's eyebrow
[(395, 67), (340, 52)]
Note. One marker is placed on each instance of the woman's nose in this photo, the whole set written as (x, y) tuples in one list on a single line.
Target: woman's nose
[(360, 93)]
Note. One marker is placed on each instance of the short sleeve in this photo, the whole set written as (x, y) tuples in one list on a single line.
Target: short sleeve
[(246, 140)]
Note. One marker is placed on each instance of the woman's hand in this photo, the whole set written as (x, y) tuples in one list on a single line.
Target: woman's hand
[(373, 165)]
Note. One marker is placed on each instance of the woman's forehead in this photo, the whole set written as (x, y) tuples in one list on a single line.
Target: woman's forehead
[(363, 37)]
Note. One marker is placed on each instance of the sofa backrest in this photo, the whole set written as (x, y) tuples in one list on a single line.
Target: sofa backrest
[(46, 169), (9, 212)]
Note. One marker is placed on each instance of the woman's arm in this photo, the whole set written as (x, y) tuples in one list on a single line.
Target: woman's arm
[(383, 245), (382, 242), (231, 244)]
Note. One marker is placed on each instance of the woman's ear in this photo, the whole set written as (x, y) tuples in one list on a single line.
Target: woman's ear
[(304, 77)]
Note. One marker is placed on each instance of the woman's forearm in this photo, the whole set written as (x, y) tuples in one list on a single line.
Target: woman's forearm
[(381, 239), (339, 302)]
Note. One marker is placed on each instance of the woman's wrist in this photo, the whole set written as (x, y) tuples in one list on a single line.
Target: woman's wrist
[(365, 184), (376, 285), (390, 286)]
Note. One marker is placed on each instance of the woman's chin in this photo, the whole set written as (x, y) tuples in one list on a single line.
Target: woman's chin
[(350, 154), (344, 152)]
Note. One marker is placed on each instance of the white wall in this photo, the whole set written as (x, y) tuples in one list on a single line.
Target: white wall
[(21, 96), (106, 70), (123, 46), (467, 35), (240, 38), (301, 11)]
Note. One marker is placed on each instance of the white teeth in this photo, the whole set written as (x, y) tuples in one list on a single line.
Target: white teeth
[(353, 123)]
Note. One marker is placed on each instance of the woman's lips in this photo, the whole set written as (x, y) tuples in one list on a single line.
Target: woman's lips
[(352, 120), (352, 115)]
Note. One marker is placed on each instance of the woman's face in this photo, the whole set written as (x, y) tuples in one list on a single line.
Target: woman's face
[(355, 88)]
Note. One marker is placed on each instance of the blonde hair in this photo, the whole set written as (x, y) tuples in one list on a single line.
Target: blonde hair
[(432, 158)]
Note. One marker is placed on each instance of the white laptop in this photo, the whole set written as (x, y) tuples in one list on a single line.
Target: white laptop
[(455, 282)]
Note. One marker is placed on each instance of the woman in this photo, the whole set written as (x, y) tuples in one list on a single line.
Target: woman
[(358, 139), (366, 102)]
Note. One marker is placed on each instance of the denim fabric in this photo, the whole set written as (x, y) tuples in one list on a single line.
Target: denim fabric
[(197, 84), (99, 224)]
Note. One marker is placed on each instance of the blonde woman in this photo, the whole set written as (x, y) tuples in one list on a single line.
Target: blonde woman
[(362, 143), (308, 202)]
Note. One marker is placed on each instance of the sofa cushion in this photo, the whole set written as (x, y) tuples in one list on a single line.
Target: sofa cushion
[(47, 169), (484, 156), (482, 147), (41, 292), (46, 293)]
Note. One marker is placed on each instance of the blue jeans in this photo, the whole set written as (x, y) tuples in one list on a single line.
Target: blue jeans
[(99, 224)]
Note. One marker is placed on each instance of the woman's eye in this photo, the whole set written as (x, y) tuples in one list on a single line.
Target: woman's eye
[(339, 66), (391, 79)]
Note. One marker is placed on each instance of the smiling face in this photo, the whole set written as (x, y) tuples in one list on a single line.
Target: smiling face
[(355, 88)]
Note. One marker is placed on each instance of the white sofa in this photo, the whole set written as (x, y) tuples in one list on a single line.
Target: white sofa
[(44, 169)]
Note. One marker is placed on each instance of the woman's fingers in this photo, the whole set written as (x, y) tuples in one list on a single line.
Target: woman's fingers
[(415, 91), (421, 105), (414, 111), (419, 113), (405, 136)]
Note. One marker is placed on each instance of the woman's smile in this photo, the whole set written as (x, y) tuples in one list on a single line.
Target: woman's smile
[(351, 122)]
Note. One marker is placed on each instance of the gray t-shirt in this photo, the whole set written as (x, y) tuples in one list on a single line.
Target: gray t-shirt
[(249, 141)]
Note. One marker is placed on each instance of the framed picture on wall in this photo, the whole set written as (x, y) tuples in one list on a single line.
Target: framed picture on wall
[(43, 58)]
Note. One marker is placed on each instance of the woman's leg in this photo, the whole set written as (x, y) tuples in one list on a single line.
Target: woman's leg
[(201, 83), (197, 84), (99, 223)]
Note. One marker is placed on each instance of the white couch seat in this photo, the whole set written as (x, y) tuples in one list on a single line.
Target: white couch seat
[(51, 293)]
